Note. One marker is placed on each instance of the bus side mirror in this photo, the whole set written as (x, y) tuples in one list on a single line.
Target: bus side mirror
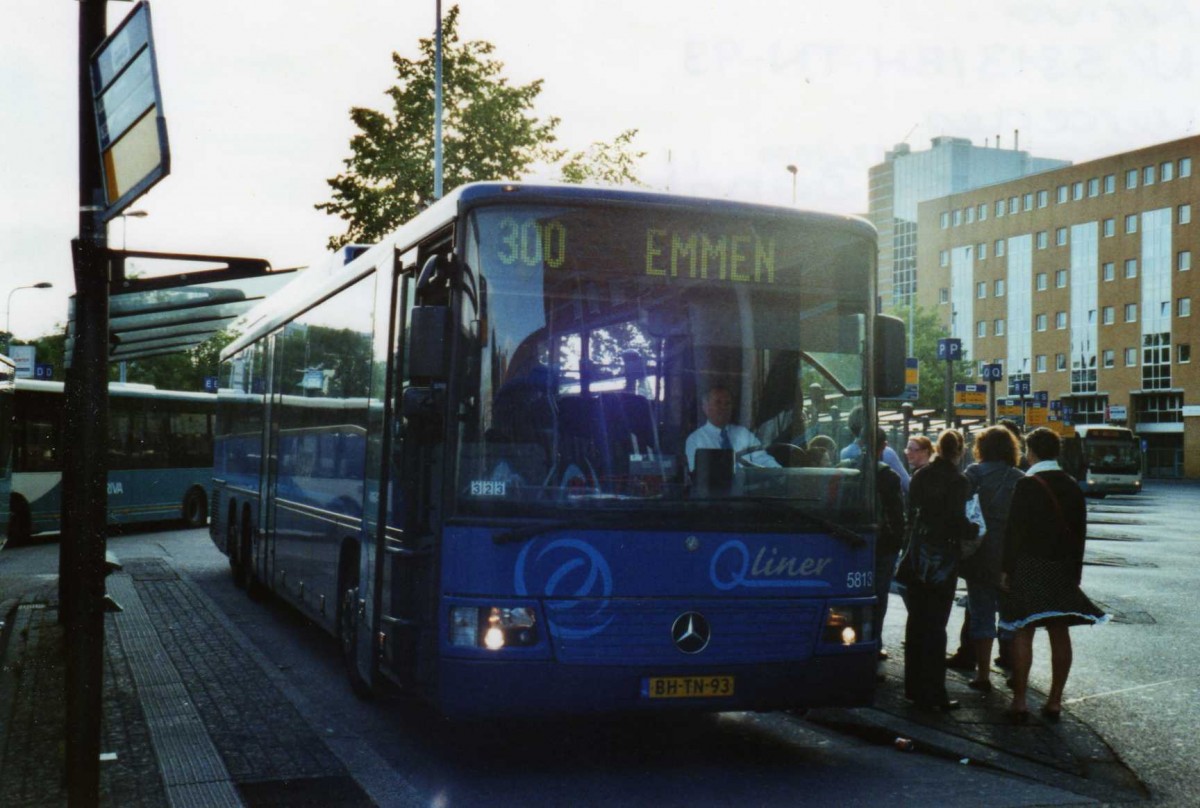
[(429, 343), (889, 356)]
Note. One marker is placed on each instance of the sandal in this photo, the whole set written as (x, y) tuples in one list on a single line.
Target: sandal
[(1053, 716), (982, 685)]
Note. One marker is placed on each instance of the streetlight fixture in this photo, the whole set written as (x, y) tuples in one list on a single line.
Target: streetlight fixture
[(8, 309), (136, 214), (793, 169)]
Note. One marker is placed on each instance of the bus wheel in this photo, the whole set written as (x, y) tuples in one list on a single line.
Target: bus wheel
[(348, 639), (20, 525), (195, 507), (233, 548), (245, 570)]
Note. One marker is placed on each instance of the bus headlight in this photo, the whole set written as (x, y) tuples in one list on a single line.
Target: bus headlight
[(493, 627), (848, 625)]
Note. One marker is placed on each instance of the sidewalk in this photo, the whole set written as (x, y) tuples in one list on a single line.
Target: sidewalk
[(194, 716)]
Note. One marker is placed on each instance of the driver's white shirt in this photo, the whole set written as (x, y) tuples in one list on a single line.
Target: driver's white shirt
[(740, 439)]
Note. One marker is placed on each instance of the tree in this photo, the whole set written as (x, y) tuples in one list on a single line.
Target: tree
[(927, 329), (605, 163), (489, 132)]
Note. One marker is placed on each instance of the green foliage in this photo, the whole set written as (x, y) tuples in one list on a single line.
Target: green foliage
[(489, 132), (927, 329), (605, 163)]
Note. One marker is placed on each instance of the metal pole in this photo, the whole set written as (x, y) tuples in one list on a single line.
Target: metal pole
[(437, 108), (82, 547)]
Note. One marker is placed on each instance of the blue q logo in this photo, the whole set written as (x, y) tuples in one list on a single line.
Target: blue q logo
[(732, 567), (573, 568)]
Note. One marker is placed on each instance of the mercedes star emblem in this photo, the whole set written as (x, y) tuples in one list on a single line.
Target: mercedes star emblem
[(691, 632)]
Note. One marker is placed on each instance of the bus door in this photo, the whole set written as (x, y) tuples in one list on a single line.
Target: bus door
[(265, 546), (407, 588)]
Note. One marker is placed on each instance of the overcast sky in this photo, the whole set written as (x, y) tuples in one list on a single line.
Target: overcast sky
[(725, 94)]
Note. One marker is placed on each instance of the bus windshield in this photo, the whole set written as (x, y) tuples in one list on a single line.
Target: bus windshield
[(634, 358), (1112, 455)]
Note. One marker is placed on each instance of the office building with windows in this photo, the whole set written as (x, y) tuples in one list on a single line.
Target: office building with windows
[(906, 178), (1080, 280)]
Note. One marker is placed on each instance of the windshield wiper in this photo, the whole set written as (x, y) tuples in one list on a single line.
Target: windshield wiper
[(835, 529), (584, 522)]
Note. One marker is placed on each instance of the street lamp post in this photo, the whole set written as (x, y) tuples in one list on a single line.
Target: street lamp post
[(792, 169), (8, 310), (135, 214)]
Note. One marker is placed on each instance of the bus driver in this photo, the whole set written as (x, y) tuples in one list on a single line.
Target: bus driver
[(718, 433)]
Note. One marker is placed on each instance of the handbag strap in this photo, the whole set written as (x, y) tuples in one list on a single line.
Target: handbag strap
[(1062, 520)]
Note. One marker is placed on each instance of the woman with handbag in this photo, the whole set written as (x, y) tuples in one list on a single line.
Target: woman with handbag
[(993, 477), (937, 500), (1042, 568)]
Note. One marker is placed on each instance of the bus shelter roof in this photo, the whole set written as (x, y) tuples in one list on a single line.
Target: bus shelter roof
[(173, 313)]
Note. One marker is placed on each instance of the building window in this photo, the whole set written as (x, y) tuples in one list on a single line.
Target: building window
[(943, 295), (1040, 281), (1094, 186), (1110, 183), (1183, 261), (1148, 175), (1183, 307), (1110, 228), (1131, 178), (1109, 315), (1131, 312), (1040, 321), (983, 211), (1131, 223), (1166, 171), (981, 290), (1043, 199), (1164, 309), (1014, 204), (1131, 357), (999, 208), (1027, 201), (998, 248), (1060, 236), (1185, 167), (944, 258), (1060, 362), (1042, 240), (1110, 357), (1060, 279), (1156, 361), (1062, 194), (957, 217), (1109, 271), (1185, 214), (998, 327), (1040, 363), (1060, 320), (981, 328), (1077, 190), (998, 288), (1183, 353), (1130, 267), (945, 219), (981, 250), (970, 214)]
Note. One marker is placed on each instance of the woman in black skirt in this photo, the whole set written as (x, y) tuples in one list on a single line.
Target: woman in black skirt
[(1043, 565)]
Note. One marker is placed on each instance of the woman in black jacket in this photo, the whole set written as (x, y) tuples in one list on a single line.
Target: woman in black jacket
[(937, 498), (1042, 568)]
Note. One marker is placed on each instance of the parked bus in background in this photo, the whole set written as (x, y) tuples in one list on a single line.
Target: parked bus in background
[(7, 390), (159, 456), (466, 453), (1104, 459)]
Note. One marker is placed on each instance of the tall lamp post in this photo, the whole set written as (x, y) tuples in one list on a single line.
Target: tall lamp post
[(792, 169), (8, 310), (129, 214)]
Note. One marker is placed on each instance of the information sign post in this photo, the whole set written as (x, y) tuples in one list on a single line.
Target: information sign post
[(992, 373), (949, 349)]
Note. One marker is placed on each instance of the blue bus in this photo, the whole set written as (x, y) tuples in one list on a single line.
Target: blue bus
[(159, 456), (466, 454), (7, 392)]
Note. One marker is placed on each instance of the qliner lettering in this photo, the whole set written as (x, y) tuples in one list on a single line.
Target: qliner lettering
[(723, 257)]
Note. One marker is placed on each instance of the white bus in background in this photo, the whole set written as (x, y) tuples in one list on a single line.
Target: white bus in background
[(1104, 459)]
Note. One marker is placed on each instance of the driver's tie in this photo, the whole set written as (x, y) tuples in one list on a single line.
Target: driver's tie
[(725, 442)]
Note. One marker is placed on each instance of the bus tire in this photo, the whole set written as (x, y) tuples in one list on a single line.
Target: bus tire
[(20, 523), (245, 573), (195, 507), (348, 637)]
